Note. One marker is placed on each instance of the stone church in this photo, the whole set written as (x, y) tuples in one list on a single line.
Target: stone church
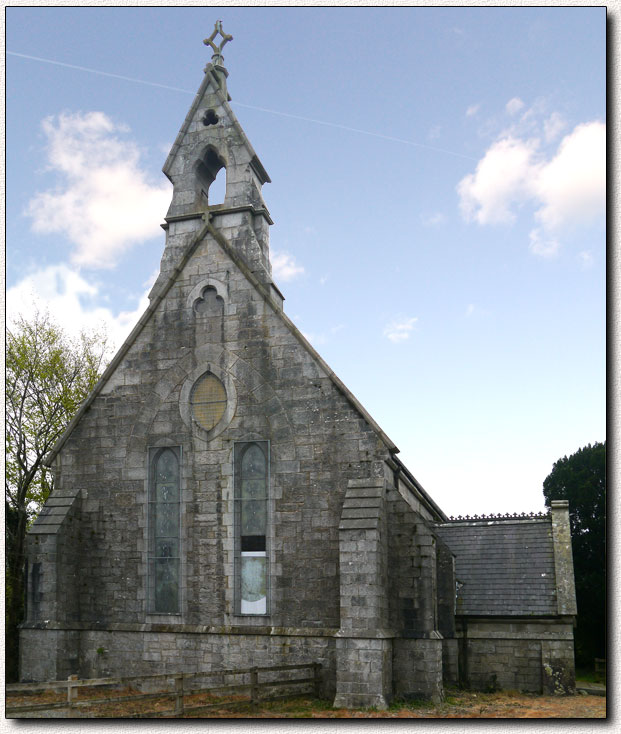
[(222, 499)]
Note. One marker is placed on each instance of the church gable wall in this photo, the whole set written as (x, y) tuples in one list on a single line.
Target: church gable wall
[(221, 324)]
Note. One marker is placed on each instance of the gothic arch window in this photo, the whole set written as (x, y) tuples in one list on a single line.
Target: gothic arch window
[(211, 174), (251, 524), (164, 531)]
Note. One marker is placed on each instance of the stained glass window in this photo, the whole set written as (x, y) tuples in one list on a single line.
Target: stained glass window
[(208, 401), (251, 486), (164, 507)]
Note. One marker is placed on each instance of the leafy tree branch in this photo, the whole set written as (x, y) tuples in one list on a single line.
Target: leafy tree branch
[(48, 375)]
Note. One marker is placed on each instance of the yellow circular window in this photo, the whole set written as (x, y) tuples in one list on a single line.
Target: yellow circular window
[(208, 401)]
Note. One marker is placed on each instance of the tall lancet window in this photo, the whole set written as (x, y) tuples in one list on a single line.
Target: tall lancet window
[(164, 515), (251, 519)]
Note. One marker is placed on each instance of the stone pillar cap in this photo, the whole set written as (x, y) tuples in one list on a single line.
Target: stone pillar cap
[(559, 504)]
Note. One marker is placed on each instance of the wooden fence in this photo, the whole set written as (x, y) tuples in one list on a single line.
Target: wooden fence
[(255, 683)]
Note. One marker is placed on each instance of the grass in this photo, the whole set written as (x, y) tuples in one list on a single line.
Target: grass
[(457, 704), (410, 703), (588, 675)]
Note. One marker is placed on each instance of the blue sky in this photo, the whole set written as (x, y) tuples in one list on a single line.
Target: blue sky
[(438, 194)]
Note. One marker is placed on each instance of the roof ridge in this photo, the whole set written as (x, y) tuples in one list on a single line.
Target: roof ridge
[(123, 349), (157, 299), (340, 385), (500, 516)]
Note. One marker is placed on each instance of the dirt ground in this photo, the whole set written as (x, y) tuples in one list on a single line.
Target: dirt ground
[(458, 705)]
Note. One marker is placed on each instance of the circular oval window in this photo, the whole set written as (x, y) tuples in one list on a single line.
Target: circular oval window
[(208, 401)]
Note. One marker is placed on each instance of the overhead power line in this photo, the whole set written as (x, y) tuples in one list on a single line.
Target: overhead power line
[(241, 104)]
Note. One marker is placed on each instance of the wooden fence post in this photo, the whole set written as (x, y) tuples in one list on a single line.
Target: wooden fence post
[(254, 679), (179, 695), (72, 691), (316, 679)]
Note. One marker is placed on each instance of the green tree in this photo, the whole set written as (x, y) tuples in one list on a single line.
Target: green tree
[(581, 479), (48, 375)]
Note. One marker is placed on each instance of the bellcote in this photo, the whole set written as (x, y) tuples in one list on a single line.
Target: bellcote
[(212, 139), (212, 144)]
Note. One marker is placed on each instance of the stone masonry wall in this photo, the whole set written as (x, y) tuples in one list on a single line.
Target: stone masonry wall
[(412, 607), (364, 672), (417, 647), (450, 662), (48, 654), (558, 667), (109, 653), (68, 566), (417, 668), (41, 603), (505, 664), (38, 654), (318, 441), (364, 647), (514, 655), (445, 584)]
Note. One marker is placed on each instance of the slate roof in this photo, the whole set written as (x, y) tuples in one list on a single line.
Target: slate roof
[(506, 566)]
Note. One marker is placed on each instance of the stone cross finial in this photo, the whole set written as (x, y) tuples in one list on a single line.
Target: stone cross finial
[(217, 58)]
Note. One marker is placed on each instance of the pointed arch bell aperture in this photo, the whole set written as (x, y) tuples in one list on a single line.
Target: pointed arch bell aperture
[(210, 173)]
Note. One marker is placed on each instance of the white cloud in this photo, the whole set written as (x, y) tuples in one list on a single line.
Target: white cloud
[(150, 281), (514, 105), (526, 121), (586, 259), (474, 311), (71, 302), (399, 331), (572, 186), (284, 266), (553, 126), (542, 245), (472, 110), (568, 189), (432, 220), (501, 179), (103, 202)]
